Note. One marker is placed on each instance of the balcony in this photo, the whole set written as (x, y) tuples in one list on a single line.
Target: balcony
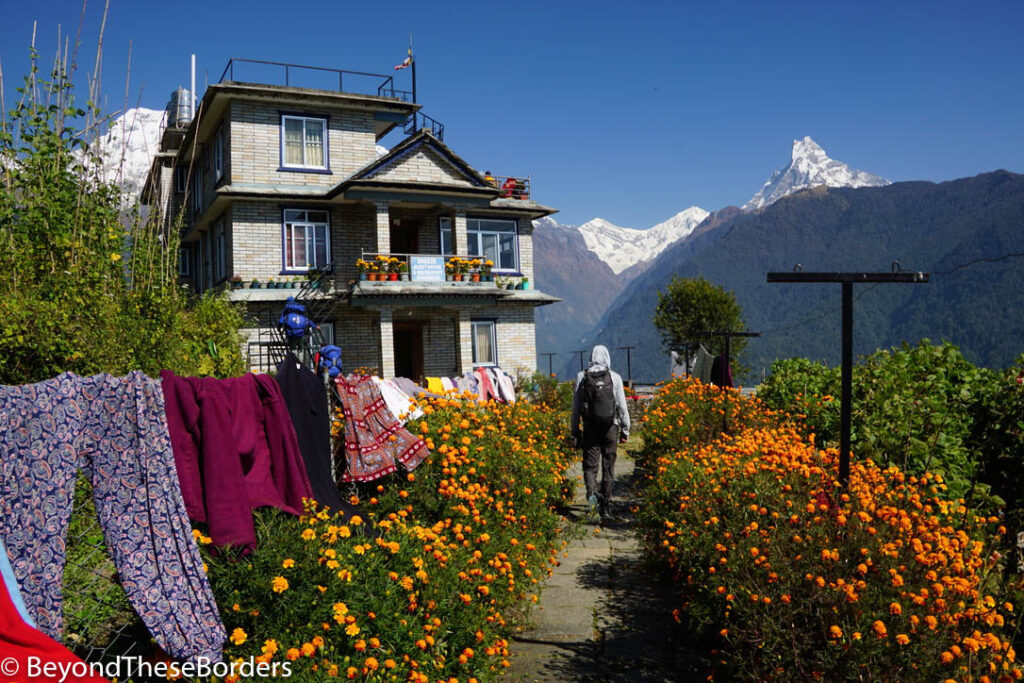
[(261, 72), (510, 187)]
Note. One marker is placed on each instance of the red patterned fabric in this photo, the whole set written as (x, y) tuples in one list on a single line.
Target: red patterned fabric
[(369, 428)]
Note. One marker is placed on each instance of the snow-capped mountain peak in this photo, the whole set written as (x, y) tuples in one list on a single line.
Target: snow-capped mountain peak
[(622, 247), (810, 166), (128, 147)]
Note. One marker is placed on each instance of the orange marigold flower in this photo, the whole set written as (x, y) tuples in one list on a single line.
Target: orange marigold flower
[(279, 584), (835, 632), (238, 636), (895, 608), (902, 639), (879, 628)]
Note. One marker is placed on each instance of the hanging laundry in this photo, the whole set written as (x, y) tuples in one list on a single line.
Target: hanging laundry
[(306, 398), (448, 384), (114, 430), (19, 641), (435, 386), (236, 450), (721, 373), (370, 452), (487, 389), (468, 384), (506, 387), (702, 365), (412, 389), (7, 578), (398, 402)]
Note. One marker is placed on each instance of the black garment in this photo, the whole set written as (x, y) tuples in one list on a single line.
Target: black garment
[(599, 448), (306, 398), (721, 373)]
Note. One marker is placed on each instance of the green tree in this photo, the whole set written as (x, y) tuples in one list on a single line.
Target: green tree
[(692, 305), (86, 286)]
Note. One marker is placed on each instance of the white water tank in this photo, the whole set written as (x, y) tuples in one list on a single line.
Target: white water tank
[(179, 109)]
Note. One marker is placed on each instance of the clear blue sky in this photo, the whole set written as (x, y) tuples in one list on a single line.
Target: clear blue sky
[(630, 111)]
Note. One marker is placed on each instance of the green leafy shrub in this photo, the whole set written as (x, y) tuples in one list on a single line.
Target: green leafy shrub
[(913, 407)]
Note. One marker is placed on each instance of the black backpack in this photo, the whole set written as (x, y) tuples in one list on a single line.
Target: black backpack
[(600, 397)]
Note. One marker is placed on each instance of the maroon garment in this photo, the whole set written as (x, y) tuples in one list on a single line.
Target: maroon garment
[(235, 449), (375, 441)]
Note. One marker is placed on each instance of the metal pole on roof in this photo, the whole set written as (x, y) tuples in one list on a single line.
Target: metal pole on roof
[(412, 61)]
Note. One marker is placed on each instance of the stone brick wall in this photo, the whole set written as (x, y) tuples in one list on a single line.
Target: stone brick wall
[(526, 249), (423, 166), (255, 148), (517, 337)]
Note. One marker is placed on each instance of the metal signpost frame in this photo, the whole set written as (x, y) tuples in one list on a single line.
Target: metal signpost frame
[(847, 281)]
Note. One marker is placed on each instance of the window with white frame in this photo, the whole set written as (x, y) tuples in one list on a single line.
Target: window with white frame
[(494, 239), (303, 142), (218, 154), (485, 342), (307, 239), (220, 252), (447, 237)]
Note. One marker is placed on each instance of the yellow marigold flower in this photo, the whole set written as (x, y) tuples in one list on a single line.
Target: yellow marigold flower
[(288, 563), (238, 636), (308, 535), (352, 630), (356, 520), (340, 608), (279, 584), (269, 647)]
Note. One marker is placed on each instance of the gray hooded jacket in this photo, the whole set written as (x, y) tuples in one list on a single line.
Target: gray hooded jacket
[(601, 360)]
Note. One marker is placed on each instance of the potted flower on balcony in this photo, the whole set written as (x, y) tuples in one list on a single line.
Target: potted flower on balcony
[(236, 281), (393, 271), (449, 269), (403, 271), (255, 284), (485, 270), (363, 267), (474, 269)]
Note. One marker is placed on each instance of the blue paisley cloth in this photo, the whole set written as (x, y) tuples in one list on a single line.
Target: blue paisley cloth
[(115, 431)]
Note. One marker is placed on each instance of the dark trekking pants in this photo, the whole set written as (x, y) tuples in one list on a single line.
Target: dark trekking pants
[(599, 449)]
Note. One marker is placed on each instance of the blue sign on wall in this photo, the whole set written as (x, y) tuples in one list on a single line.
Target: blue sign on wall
[(426, 268)]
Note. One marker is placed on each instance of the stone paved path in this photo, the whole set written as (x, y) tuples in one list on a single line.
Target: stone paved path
[(602, 616)]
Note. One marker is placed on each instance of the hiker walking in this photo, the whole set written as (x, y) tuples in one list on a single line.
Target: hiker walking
[(599, 400)]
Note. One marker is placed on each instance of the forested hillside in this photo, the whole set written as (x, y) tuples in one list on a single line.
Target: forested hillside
[(922, 226)]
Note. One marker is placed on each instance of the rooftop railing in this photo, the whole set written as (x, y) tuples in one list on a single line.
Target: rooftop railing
[(419, 120), (314, 77)]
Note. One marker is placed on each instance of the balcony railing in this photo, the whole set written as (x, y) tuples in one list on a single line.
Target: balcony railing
[(424, 267), (314, 77), (511, 187)]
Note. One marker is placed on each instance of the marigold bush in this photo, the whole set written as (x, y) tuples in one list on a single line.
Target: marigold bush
[(798, 580), (428, 585)]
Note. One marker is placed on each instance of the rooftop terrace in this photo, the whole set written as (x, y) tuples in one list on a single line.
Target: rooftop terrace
[(262, 72)]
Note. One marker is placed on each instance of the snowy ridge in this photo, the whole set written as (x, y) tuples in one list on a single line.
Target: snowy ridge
[(809, 166), (621, 248), (127, 148)]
